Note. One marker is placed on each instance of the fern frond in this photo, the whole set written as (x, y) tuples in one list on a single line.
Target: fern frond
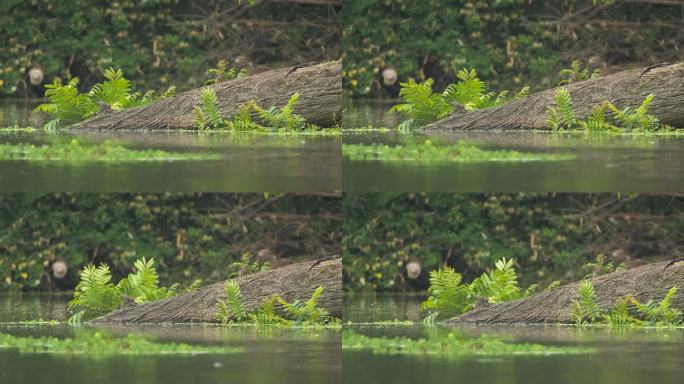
[(232, 308)]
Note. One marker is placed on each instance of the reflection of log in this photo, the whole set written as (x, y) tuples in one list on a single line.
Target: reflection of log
[(648, 282), (292, 282), (320, 101), (624, 89)]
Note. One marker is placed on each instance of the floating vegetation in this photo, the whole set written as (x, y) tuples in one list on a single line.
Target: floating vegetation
[(427, 152), (368, 129), (452, 346), (626, 312), (97, 344), (96, 295), (107, 151), (274, 310)]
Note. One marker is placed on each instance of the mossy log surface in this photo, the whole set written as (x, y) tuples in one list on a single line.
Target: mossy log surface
[(292, 282), (648, 282), (624, 89), (320, 101)]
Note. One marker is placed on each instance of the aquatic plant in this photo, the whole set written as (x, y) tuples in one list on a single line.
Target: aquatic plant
[(577, 72), (427, 152), (627, 311), (421, 105), (604, 117), (452, 346), (448, 297), (92, 345), (246, 266), (96, 295), (231, 310), (207, 116), (107, 151), (68, 106), (222, 73)]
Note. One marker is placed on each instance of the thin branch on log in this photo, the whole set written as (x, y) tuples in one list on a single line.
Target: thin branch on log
[(624, 89), (648, 282), (292, 282), (320, 103)]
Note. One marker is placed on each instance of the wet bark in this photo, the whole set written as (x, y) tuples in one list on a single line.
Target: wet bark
[(320, 101), (648, 282), (624, 89), (292, 282)]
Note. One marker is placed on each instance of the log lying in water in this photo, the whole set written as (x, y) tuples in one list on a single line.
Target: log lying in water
[(320, 101), (648, 282), (624, 89), (292, 282)]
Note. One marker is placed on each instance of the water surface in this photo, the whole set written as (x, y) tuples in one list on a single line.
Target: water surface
[(271, 355), (624, 356), (248, 163), (603, 163)]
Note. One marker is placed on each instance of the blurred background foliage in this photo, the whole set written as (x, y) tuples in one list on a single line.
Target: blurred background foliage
[(158, 43), (511, 43), (550, 236), (190, 236)]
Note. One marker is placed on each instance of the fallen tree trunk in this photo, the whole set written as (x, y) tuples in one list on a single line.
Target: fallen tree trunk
[(648, 282), (624, 89), (292, 282), (320, 102)]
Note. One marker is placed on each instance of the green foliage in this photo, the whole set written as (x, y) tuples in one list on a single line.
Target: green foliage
[(428, 153), (96, 295), (207, 115), (92, 345), (283, 119), (76, 151), (188, 235), (448, 297), (299, 313), (452, 345), (246, 266), (222, 73), (627, 311), (562, 117), (68, 106), (576, 73), (600, 266), (422, 106)]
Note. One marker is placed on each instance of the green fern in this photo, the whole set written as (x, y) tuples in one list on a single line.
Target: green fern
[(66, 104), (232, 309), (112, 92), (661, 313), (95, 294), (447, 296), (576, 73), (207, 114), (307, 312), (283, 119), (223, 73), (247, 266), (421, 105), (600, 267), (499, 285), (143, 285)]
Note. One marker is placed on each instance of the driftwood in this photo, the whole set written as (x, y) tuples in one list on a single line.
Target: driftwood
[(624, 89), (292, 282), (320, 101), (648, 282)]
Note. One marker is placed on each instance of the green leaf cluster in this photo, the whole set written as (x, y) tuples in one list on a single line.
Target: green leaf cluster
[(421, 105), (273, 310), (626, 311), (222, 73), (246, 265), (577, 72), (96, 295), (67, 106), (605, 117), (600, 266), (448, 297)]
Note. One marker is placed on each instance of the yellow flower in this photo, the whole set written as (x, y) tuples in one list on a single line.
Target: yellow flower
[(2, 82)]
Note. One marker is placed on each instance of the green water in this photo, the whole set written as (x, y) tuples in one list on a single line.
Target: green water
[(624, 356), (602, 163), (272, 355), (247, 163)]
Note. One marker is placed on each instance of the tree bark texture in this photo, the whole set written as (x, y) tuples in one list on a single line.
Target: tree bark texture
[(624, 89), (320, 101), (648, 282), (292, 282)]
